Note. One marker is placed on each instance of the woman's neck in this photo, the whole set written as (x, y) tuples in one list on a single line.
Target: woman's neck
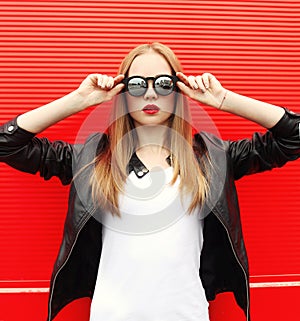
[(152, 138), (152, 149)]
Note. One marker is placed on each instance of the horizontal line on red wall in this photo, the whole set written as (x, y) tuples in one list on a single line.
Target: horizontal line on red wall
[(131, 19), (63, 58), (252, 43), (46, 90), (85, 52), (254, 279), (183, 3), (124, 45), (23, 290), (252, 285), (277, 65), (253, 74), (158, 30), (273, 284), (149, 6), (92, 19)]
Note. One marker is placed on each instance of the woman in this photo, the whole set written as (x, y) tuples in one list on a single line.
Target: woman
[(150, 265)]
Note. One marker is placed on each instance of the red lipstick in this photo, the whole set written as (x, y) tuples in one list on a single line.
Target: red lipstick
[(150, 109)]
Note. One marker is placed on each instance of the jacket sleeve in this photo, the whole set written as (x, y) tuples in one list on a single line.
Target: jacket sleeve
[(275, 148), (23, 151)]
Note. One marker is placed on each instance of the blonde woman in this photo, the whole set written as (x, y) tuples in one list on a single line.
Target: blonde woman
[(153, 229)]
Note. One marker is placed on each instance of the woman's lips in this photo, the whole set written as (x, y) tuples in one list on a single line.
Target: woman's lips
[(151, 109)]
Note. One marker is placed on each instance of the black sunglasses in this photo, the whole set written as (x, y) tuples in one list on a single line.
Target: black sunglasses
[(163, 85)]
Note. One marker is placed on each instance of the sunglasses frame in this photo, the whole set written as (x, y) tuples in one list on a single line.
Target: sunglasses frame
[(146, 79)]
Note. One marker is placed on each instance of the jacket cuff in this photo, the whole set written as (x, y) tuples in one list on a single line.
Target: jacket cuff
[(287, 126), (13, 135)]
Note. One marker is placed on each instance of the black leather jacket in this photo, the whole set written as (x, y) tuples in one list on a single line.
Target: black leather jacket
[(224, 264)]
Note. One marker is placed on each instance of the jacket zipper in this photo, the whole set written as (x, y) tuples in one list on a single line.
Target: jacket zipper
[(54, 279), (245, 275)]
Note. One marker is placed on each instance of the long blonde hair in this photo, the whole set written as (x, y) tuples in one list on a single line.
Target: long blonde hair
[(111, 164)]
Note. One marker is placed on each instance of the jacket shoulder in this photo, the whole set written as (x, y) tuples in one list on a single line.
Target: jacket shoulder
[(209, 141), (85, 153)]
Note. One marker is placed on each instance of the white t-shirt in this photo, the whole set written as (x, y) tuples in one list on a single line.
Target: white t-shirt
[(152, 275)]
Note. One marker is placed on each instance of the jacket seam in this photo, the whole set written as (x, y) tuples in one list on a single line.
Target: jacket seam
[(238, 260), (65, 262)]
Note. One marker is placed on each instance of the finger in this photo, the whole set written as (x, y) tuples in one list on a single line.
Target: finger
[(104, 81), (182, 77), (92, 78), (206, 77), (99, 79), (118, 78), (192, 82), (110, 82), (115, 90), (200, 83), (184, 88)]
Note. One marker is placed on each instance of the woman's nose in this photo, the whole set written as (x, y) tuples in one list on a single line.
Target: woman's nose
[(150, 93)]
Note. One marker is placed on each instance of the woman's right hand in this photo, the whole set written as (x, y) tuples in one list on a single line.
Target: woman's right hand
[(97, 88)]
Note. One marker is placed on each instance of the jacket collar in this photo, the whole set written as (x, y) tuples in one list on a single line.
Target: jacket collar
[(136, 165)]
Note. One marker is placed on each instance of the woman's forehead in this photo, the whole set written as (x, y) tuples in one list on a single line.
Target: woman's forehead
[(149, 64)]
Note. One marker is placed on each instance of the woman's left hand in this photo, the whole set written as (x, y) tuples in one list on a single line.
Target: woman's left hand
[(205, 89)]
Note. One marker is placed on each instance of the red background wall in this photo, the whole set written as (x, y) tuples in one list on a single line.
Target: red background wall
[(48, 47)]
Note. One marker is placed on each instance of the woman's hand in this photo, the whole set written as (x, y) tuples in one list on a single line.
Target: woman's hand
[(208, 90), (96, 88), (205, 89)]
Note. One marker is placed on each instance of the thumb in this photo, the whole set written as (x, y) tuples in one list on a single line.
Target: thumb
[(184, 88), (115, 90), (118, 78)]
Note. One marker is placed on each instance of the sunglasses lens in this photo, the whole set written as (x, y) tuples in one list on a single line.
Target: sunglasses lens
[(137, 86), (164, 85)]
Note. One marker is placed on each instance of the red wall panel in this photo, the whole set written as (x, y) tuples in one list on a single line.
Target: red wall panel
[(47, 47)]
